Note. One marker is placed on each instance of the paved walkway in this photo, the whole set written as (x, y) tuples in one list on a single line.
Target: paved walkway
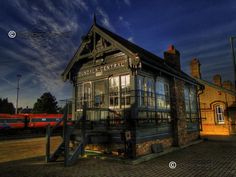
[(210, 158), (11, 150)]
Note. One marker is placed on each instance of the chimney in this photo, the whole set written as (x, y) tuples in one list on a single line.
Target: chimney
[(228, 85), (195, 67), (172, 57), (217, 80)]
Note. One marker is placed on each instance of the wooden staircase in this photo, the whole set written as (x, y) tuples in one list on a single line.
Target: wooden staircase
[(73, 143)]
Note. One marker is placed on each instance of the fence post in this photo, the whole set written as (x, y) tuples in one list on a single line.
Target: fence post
[(65, 136), (83, 129), (48, 134)]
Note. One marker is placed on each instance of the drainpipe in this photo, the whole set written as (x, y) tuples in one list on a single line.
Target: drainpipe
[(199, 110), (233, 57), (227, 111)]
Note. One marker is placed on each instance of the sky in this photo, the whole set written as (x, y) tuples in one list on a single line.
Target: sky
[(198, 29)]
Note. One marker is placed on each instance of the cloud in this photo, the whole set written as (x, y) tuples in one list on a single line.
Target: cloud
[(105, 20), (131, 39), (42, 60), (125, 23), (81, 4), (211, 46), (127, 2)]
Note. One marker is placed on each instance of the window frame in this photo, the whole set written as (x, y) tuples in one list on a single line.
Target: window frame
[(147, 95), (112, 96), (140, 90), (120, 93), (192, 113), (165, 95), (105, 94), (126, 95), (217, 119), (88, 100), (164, 113)]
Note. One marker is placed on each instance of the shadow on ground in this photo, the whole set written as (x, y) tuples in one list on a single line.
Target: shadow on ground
[(209, 158)]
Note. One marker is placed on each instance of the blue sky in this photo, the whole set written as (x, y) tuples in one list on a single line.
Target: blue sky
[(198, 28)]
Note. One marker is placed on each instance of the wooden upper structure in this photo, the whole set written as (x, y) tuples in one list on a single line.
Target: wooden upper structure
[(100, 41)]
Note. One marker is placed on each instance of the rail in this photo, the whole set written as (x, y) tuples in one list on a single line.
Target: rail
[(69, 153), (49, 132)]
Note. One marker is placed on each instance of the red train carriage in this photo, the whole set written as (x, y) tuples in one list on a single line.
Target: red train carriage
[(42, 120), (16, 121), (32, 121)]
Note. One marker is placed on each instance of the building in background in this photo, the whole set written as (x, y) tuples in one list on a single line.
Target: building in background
[(136, 101), (217, 104)]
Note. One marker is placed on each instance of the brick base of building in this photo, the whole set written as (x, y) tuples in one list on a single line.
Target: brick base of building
[(191, 137), (145, 147)]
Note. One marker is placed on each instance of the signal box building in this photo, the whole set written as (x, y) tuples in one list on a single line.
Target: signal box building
[(217, 104), (137, 103)]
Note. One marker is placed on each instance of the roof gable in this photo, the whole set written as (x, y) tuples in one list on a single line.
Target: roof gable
[(93, 44), (113, 41)]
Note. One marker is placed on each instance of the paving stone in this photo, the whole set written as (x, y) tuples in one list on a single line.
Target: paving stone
[(206, 159)]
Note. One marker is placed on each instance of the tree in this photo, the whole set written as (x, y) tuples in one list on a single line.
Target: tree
[(46, 104), (6, 107)]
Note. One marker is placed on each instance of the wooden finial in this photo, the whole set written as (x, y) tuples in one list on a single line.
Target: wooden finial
[(94, 19)]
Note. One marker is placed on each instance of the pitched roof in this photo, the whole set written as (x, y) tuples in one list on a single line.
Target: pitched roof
[(204, 82), (145, 56)]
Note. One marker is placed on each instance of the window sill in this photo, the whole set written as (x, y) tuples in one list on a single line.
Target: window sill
[(220, 123)]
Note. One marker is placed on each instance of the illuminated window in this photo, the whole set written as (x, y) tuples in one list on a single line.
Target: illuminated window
[(145, 91), (114, 92), (149, 93), (125, 91), (84, 94), (87, 93), (140, 90), (162, 100), (219, 112), (162, 94), (99, 94)]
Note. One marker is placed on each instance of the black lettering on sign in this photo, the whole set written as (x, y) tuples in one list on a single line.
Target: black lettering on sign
[(102, 68)]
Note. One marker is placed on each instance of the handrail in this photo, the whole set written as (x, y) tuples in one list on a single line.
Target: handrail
[(49, 131), (57, 124), (70, 159)]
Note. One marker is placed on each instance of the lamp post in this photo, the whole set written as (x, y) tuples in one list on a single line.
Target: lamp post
[(17, 91), (234, 59)]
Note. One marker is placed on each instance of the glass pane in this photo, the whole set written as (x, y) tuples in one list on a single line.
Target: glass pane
[(87, 93), (114, 91), (100, 94), (219, 113), (162, 94), (160, 87), (79, 96)]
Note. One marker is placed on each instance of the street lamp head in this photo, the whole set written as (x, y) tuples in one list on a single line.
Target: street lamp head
[(19, 75)]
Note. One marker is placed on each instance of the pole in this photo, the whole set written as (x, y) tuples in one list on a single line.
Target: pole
[(17, 91), (233, 55)]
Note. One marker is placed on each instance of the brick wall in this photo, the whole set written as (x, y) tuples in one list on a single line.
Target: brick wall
[(178, 111), (189, 137), (211, 97), (145, 147)]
